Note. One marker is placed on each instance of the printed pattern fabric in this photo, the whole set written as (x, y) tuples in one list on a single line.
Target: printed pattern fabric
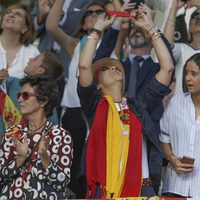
[(32, 181)]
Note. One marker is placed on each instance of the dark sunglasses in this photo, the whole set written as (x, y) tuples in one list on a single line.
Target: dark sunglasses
[(100, 69), (103, 68), (26, 95), (195, 15), (91, 12)]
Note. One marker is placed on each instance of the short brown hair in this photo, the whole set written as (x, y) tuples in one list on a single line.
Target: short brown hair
[(52, 65), (29, 36)]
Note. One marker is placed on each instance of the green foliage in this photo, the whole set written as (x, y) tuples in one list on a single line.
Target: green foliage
[(6, 3)]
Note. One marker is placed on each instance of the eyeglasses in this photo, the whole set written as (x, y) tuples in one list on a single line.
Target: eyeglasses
[(26, 95), (100, 69), (91, 12), (103, 68), (195, 15)]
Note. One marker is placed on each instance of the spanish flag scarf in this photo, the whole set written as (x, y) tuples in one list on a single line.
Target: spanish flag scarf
[(113, 161)]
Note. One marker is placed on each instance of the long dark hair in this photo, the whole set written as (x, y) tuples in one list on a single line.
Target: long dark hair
[(196, 59)]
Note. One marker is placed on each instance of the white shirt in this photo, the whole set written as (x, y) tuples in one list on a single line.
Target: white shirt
[(70, 97), (180, 128), (181, 54), (161, 8), (16, 69)]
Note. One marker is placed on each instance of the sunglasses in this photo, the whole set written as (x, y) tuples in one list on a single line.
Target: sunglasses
[(102, 69), (26, 95), (195, 15), (91, 12)]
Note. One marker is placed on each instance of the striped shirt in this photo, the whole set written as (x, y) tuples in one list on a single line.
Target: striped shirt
[(180, 128)]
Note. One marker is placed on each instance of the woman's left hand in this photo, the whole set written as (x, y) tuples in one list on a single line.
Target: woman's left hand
[(43, 147), (44, 144), (143, 17)]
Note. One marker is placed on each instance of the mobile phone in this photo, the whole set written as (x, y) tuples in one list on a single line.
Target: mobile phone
[(187, 160), (118, 13)]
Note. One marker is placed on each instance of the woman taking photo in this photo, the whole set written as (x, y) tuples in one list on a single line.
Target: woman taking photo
[(36, 156)]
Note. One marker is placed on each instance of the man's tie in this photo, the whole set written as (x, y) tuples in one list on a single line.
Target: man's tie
[(131, 92)]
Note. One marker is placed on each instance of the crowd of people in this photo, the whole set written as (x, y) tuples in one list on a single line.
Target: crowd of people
[(103, 105)]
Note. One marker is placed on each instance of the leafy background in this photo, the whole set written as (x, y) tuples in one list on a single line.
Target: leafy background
[(6, 3)]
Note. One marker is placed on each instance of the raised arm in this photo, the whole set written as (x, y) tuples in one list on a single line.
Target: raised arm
[(144, 20), (44, 7), (170, 23), (52, 26), (89, 49)]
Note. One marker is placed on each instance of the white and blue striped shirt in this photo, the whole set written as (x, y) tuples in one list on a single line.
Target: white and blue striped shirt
[(181, 129)]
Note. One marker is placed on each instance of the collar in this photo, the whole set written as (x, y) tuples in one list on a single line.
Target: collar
[(132, 56)]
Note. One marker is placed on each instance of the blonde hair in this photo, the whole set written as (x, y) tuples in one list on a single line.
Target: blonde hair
[(29, 36)]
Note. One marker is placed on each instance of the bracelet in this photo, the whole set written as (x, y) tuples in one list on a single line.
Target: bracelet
[(94, 30), (93, 37), (156, 35), (168, 158)]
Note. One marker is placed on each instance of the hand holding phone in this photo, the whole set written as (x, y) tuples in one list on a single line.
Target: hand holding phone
[(187, 160)]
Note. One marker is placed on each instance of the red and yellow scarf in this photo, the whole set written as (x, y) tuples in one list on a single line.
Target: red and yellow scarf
[(114, 160)]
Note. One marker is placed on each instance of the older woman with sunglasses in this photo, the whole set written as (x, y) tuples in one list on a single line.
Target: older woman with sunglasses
[(36, 155)]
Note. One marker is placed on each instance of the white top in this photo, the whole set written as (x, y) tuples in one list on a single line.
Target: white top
[(181, 54), (70, 97), (180, 128), (161, 8), (16, 69)]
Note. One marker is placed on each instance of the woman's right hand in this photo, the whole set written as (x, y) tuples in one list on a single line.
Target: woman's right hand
[(179, 167), (103, 22), (180, 4), (21, 147), (3, 74), (44, 7)]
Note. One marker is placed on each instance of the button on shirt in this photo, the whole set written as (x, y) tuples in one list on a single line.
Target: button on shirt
[(181, 129)]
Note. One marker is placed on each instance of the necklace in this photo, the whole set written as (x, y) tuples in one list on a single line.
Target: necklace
[(124, 111), (34, 130)]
